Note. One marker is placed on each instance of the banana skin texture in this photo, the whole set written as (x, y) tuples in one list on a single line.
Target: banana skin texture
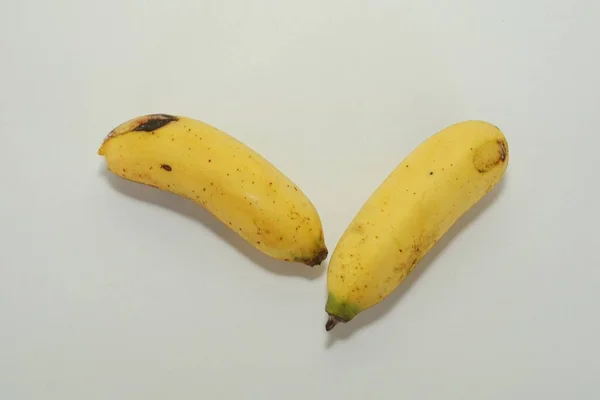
[(237, 185), (409, 212)]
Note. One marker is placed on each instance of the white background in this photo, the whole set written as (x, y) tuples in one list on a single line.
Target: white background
[(111, 290)]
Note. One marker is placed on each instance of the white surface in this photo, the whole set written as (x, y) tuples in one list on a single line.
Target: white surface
[(110, 290)]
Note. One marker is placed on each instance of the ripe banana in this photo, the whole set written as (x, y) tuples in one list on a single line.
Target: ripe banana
[(409, 212), (237, 185)]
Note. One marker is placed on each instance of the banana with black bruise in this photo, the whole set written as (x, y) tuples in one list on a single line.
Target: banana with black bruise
[(237, 185)]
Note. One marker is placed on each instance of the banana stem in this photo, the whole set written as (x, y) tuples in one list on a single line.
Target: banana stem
[(332, 322)]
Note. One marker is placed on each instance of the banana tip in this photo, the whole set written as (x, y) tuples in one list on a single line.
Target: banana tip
[(332, 321), (144, 123), (317, 259)]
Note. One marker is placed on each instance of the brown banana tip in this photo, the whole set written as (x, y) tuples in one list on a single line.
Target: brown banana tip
[(332, 321), (318, 258), (502, 150)]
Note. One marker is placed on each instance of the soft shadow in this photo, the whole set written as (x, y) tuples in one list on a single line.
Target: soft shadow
[(193, 211), (344, 331)]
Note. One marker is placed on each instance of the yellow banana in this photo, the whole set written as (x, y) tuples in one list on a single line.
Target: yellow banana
[(409, 212), (236, 184)]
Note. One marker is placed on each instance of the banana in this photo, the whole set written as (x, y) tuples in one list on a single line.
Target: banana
[(237, 185), (409, 212)]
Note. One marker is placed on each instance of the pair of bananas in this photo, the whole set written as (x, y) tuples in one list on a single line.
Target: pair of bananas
[(408, 213)]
